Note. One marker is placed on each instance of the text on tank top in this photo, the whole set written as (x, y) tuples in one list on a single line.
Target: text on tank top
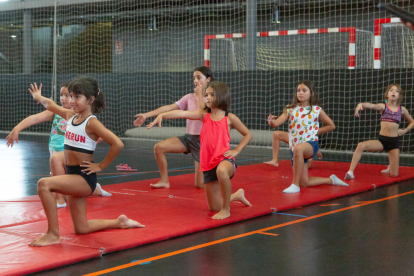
[(76, 138)]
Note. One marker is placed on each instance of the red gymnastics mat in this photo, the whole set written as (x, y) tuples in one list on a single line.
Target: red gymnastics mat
[(167, 213)]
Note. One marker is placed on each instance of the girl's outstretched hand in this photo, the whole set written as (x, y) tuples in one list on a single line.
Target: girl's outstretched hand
[(91, 167), (357, 109), (270, 118), (140, 119), (157, 120), (36, 92), (13, 136), (231, 153)]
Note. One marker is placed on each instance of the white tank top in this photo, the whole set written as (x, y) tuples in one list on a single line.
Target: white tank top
[(76, 138)]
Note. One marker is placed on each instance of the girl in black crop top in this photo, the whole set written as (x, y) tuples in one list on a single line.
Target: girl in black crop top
[(85, 99), (389, 134)]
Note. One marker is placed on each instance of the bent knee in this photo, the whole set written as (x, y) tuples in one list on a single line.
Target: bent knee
[(297, 151), (160, 147), (277, 134), (42, 184), (361, 146), (81, 230), (157, 147), (222, 173)]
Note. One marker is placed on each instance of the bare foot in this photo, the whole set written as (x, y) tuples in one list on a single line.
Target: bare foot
[(125, 222), (45, 240), (222, 214), (272, 162), (239, 196), (160, 185)]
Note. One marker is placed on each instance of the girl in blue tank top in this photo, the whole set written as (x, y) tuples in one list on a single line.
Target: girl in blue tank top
[(57, 135), (388, 140)]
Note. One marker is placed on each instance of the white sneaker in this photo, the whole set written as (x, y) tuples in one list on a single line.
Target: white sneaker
[(61, 205)]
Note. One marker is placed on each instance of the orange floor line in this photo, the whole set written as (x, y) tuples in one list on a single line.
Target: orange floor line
[(265, 233), (260, 231)]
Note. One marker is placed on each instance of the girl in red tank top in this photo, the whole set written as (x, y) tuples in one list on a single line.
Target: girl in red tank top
[(216, 159)]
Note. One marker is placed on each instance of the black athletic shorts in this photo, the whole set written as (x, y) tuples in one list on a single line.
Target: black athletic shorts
[(211, 175), (90, 179), (389, 143)]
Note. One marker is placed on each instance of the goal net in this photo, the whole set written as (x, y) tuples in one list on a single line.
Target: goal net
[(397, 46), (334, 48)]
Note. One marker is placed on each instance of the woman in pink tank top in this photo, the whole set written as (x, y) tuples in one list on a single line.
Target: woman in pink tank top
[(188, 143), (216, 158)]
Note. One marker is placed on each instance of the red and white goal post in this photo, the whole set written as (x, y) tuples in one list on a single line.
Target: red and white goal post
[(350, 30)]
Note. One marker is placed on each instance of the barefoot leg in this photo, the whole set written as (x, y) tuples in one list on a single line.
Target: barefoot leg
[(199, 179), (77, 207), (277, 137), (57, 167), (125, 222), (213, 195), (239, 196), (171, 145), (64, 184), (394, 159), (310, 163), (224, 170)]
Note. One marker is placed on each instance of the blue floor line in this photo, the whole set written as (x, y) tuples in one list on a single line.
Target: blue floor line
[(285, 214)]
